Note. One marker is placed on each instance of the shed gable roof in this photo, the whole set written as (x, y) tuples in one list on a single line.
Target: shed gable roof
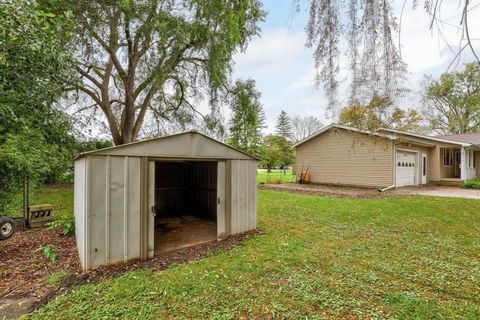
[(189, 144)]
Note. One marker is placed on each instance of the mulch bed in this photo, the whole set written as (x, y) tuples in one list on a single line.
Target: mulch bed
[(325, 190), (23, 271)]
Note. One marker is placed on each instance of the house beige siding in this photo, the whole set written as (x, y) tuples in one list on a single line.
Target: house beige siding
[(343, 157)]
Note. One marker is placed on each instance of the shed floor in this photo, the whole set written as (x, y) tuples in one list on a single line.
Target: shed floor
[(181, 232)]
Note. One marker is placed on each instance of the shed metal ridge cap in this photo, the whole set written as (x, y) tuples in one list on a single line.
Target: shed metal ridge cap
[(464, 144), (339, 126), (82, 154)]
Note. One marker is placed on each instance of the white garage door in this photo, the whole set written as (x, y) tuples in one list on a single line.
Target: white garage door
[(405, 175)]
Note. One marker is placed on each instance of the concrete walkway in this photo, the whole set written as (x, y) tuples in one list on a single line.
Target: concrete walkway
[(439, 191)]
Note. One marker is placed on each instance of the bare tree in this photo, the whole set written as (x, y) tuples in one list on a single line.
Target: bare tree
[(304, 126)]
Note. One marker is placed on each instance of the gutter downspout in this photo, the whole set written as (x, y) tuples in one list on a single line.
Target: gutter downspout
[(387, 188)]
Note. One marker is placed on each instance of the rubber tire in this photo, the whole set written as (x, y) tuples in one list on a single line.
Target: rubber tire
[(4, 221)]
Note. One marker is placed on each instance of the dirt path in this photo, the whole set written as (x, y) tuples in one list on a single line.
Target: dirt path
[(326, 190)]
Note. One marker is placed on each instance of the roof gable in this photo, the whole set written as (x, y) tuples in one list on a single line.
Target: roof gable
[(190, 144)]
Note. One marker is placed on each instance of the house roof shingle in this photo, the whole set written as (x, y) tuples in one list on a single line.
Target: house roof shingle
[(473, 138)]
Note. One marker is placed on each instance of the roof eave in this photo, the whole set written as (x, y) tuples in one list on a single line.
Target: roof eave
[(463, 144), (339, 126)]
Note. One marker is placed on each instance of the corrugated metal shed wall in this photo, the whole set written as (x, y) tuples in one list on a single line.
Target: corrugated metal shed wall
[(242, 198), (108, 206), (79, 192), (108, 230)]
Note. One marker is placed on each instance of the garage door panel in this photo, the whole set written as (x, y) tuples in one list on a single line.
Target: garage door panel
[(405, 168)]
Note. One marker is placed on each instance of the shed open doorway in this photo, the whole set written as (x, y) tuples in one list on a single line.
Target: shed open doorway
[(185, 204)]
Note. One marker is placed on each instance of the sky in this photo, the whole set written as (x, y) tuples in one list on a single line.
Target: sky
[(284, 68)]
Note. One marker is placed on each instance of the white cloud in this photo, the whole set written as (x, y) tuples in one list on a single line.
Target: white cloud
[(424, 49), (305, 81), (275, 52)]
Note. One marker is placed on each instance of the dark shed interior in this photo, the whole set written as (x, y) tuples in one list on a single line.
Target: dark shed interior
[(185, 203)]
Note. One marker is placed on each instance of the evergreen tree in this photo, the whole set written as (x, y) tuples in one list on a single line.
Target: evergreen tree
[(248, 119), (284, 126)]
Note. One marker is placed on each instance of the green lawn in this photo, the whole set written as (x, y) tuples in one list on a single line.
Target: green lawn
[(60, 198), (276, 176), (319, 258)]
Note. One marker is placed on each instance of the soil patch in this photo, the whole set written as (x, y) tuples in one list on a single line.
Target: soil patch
[(326, 190), (28, 280)]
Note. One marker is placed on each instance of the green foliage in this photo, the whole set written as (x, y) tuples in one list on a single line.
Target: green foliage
[(49, 252), (389, 258), (248, 118), (28, 152), (155, 58), (471, 184), (380, 112), (454, 101), (90, 145), (66, 223), (35, 138), (283, 127), (275, 151), (31, 54)]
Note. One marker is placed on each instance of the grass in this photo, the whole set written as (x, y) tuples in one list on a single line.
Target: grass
[(61, 200), (319, 257), (55, 279), (276, 176)]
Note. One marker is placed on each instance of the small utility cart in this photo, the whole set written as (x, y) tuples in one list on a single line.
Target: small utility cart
[(33, 216)]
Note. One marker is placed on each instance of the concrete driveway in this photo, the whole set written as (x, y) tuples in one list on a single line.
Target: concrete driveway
[(440, 191)]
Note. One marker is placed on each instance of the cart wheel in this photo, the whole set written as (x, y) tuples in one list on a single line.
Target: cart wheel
[(7, 228)]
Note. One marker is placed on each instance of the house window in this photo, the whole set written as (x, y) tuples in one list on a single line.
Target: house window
[(447, 157), (424, 166), (474, 159)]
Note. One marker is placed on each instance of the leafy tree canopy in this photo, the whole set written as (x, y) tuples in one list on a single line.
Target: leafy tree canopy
[(136, 59), (453, 101), (248, 118), (35, 138), (380, 112)]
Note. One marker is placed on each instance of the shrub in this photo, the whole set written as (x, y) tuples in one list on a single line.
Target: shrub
[(67, 223), (471, 184)]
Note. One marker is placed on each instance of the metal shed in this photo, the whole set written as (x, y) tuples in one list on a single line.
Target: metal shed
[(139, 199)]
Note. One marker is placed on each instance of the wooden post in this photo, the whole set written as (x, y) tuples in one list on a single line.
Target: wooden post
[(26, 192)]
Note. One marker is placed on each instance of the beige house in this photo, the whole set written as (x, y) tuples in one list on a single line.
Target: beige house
[(385, 158)]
